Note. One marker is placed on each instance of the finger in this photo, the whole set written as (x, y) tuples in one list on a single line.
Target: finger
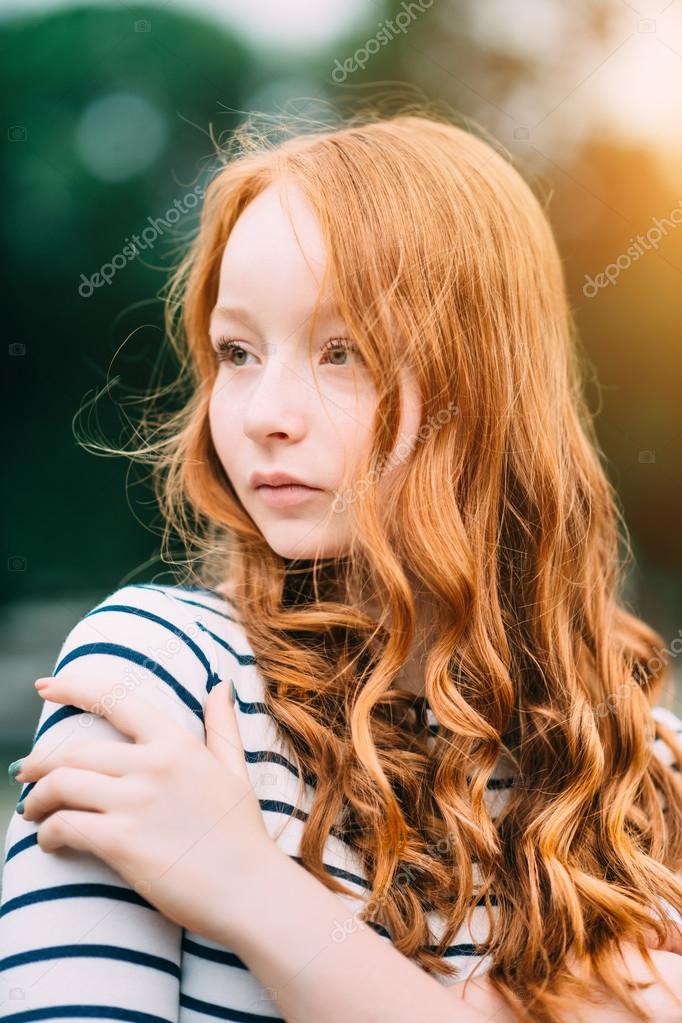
[(77, 829), (106, 757), (73, 788), (125, 708), (222, 733)]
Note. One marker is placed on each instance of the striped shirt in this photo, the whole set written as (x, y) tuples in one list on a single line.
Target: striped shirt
[(76, 941)]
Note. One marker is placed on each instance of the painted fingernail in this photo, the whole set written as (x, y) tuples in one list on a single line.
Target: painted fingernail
[(20, 806), (14, 768)]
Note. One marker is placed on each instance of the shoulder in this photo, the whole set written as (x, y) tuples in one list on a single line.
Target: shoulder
[(174, 643), (670, 720)]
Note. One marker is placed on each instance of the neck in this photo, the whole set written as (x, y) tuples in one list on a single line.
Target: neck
[(411, 674)]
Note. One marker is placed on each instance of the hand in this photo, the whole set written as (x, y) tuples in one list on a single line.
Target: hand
[(672, 943), (658, 1000), (177, 819)]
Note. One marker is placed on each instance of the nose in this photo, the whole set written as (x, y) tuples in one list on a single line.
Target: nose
[(277, 403)]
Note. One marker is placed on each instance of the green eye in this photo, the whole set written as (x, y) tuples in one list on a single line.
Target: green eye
[(343, 344), (225, 346)]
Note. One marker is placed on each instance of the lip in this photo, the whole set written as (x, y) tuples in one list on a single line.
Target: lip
[(285, 495), (278, 479)]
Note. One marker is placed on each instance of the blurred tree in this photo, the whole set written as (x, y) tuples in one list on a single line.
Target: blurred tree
[(107, 113)]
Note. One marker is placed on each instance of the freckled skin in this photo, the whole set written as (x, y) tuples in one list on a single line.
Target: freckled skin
[(265, 412)]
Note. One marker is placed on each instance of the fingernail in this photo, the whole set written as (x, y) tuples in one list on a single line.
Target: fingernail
[(14, 768), (20, 806)]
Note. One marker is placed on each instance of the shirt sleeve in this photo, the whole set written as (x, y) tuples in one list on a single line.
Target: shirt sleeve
[(76, 941)]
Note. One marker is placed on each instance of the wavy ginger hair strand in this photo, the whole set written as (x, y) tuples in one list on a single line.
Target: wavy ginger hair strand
[(442, 259)]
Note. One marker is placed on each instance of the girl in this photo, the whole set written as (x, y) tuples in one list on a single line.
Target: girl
[(408, 564)]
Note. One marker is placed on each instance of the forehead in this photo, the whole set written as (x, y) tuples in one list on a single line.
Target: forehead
[(274, 256), (278, 223)]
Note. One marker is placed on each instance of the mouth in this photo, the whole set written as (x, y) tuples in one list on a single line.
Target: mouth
[(286, 494), (280, 486)]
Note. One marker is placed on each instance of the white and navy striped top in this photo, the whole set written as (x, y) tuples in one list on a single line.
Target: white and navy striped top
[(76, 941)]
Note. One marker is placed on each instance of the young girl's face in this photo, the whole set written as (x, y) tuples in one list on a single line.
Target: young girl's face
[(267, 413)]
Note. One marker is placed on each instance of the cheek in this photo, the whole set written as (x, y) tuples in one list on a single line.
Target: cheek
[(345, 449), (221, 426), (410, 416)]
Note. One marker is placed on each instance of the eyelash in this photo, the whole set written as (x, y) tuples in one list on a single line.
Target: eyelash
[(225, 345)]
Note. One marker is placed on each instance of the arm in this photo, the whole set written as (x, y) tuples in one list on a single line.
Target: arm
[(286, 930), (74, 937), (298, 958)]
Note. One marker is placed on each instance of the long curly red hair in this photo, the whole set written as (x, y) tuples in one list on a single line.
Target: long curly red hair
[(442, 258)]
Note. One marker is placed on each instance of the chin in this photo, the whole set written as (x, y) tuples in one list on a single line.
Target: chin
[(301, 544)]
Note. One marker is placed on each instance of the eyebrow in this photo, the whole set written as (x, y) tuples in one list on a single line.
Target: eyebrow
[(327, 310)]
